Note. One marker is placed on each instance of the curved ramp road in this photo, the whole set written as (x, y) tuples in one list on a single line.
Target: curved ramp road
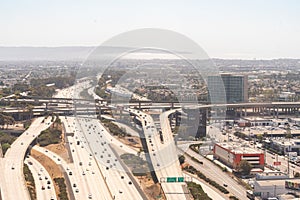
[(163, 155), (12, 164), (43, 183)]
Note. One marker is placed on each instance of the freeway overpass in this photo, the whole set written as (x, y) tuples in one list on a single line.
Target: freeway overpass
[(64, 106)]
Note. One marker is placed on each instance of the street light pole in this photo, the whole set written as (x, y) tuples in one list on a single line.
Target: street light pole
[(288, 164)]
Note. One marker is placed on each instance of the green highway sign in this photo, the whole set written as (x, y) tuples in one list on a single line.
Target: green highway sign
[(180, 179), (175, 179), (171, 179)]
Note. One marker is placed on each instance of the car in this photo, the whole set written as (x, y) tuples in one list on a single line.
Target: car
[(90, 196), (70, 173), (48, 187), (74, 184), (43, 187), (80, 163), (77, 190), (83, 173), (48, 182), (225, 185), (40, 178)]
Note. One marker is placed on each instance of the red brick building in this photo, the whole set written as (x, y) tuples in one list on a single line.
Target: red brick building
[(232, 154)]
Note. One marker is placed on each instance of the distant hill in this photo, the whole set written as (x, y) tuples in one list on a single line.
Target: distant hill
[(44, 53)]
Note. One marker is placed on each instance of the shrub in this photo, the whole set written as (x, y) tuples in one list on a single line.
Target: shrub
[(49, 136), (63, 195), (197, 191)]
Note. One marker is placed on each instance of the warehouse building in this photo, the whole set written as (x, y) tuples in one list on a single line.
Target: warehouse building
[(233, 153)]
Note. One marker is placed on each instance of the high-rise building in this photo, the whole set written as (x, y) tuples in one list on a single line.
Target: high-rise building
[(235, 86)]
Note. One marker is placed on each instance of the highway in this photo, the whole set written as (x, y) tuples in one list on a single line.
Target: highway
[(99, 146), (163, 155), (43, 182), (85, 176), (99, 143), (103, 148), (12, 164)]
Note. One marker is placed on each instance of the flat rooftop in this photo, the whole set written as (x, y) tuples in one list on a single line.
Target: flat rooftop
[(256, 119), (239, 148), (276, 182)]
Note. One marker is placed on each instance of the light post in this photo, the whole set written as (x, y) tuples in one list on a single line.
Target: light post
[(274, 190)]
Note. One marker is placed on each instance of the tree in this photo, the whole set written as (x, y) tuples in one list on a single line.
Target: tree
[(5, 147), (245, 167), (6, 120), (288, 133), (259, 137)]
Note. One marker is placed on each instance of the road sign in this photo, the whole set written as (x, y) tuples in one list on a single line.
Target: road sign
[(171, 179), (277, 163), (180, 179)]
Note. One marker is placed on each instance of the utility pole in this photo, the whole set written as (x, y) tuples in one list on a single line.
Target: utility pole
[(288, 164)]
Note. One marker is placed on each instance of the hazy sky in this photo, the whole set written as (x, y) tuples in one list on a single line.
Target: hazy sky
[(224, 29)]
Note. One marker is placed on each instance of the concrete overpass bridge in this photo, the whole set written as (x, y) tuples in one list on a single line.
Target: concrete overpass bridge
[(241, 109), (234, 109)]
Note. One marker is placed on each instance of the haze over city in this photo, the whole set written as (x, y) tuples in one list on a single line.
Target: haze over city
[(225, 29), (136, 100)]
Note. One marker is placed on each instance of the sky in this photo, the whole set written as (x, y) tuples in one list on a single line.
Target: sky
[(238, 29)]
